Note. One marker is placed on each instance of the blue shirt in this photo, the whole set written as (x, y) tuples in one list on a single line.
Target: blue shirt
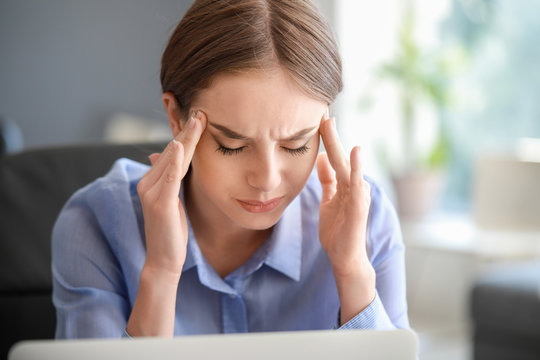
[(98, 251)]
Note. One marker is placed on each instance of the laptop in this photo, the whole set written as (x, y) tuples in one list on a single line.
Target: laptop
[(313, 345)]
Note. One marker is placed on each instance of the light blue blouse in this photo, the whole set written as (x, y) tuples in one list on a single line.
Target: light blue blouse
[(98, 251)]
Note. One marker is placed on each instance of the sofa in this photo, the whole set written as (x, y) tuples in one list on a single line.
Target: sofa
[(34, 185), (505, 304)]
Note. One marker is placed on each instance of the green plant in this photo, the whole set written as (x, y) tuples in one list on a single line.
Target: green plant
[(420, 75)]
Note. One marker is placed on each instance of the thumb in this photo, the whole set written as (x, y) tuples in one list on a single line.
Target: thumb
[(190, 136), (154, 158), (327, 177)]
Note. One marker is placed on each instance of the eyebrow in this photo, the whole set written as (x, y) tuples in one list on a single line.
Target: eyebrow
[(234, 135)]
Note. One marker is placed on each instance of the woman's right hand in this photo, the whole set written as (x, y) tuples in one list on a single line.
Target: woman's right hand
[(166, 230), (165, 222)]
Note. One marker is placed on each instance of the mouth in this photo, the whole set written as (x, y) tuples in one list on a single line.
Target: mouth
[(255, 206)]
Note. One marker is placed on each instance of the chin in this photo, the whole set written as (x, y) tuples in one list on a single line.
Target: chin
[(260, 221)]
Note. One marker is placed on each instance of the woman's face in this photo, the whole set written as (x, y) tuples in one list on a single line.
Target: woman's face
[(258, 148)]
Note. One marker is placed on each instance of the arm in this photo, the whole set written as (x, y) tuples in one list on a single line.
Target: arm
[(89, 289), (344, 210), (386, 253), (166, 233), (88, 286)]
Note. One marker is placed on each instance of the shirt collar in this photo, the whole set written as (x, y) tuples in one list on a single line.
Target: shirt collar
[(193, 255), (285, 252), (207, 274)]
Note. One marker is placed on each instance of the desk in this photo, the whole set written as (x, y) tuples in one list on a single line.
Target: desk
[(445, 254)]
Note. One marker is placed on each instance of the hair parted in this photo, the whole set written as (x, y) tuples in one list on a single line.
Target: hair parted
[(228, 36)]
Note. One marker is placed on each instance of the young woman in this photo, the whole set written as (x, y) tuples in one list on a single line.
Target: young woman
[(231, 229)]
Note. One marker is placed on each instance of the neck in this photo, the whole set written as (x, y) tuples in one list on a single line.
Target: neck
[(225, 245)]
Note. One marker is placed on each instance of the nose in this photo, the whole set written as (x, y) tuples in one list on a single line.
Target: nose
[(265, 173)]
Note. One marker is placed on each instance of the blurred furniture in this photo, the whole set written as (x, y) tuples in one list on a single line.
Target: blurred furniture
[(11, 139), (34, 185), (505, 301), (506, 193), (505, 307), (127, 128), (445, 255)]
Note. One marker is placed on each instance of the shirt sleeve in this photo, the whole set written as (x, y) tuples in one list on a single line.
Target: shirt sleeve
[(88, 285), (386, 252), (372, 317)]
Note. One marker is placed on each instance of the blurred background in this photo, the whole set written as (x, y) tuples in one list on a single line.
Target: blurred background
[(442, 95)]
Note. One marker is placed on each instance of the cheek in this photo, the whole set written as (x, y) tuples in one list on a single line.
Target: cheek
[(311, 156), (299, 167), (205, 162), (215, 172)]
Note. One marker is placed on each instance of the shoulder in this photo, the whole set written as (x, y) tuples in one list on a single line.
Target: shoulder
[(116, 185), (384, 230), (381, 206), (101, 205), (92, 232)]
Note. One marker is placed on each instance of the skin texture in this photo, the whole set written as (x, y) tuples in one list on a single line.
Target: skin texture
[(252, 141)]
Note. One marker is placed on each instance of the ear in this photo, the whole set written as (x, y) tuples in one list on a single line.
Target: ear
[(173, 113)]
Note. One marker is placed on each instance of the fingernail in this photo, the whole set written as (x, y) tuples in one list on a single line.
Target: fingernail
[(195, 114), (191, 121)]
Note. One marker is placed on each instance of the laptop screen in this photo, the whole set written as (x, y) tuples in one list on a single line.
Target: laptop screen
[(313, 345)]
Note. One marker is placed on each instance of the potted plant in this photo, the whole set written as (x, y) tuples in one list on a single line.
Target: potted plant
[(418, 176)]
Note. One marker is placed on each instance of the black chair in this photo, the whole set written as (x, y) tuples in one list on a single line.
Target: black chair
[(34, 185), (506, 313)]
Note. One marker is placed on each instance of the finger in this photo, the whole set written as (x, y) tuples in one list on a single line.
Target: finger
[(153, 158), (158, 166), (171, 179), (360, 188), (336, 154), (327, 177), (357, 178), (190, 136), (356, 165)]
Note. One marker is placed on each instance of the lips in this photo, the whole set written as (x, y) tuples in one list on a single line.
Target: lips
[(255, 206)]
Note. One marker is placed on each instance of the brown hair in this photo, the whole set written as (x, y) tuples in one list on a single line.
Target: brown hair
[(217, 36)]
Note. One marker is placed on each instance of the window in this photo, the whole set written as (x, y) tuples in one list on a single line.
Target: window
[(490, 52)]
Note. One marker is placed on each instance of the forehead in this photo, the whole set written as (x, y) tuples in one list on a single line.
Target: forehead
[(259, 102)]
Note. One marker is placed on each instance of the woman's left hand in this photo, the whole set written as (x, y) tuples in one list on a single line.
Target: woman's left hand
[(343, 219)]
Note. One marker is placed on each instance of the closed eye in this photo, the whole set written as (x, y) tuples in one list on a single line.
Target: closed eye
[(298, 151), (228, 151), (235, 151)]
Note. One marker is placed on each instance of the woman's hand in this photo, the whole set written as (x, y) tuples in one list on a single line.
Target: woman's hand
[(344, 212), (166, 231), (165, 222)]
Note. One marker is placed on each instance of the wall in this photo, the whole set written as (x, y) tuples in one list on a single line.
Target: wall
[(67, 66)]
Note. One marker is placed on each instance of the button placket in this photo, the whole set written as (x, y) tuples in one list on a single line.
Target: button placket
[(233, 313)]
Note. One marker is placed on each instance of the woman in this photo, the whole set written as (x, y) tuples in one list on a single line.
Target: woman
[(231, 230)]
